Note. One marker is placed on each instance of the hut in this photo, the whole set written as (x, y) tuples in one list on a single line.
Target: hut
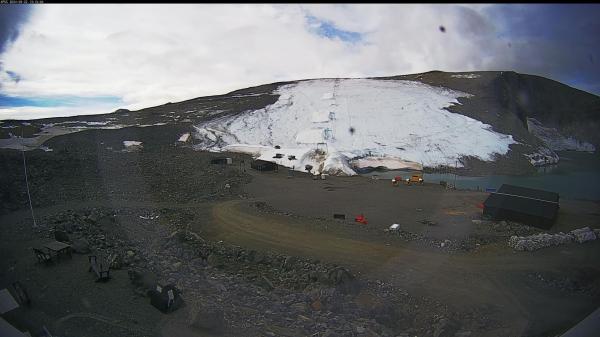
[(263, 165), (525, 205), (222, 161)]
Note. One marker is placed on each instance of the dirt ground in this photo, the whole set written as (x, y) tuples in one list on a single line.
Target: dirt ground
[(492, 276), (383, 204), (65, 298), (439, 259)]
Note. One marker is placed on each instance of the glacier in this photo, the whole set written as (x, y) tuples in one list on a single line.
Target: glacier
[(340, 125)]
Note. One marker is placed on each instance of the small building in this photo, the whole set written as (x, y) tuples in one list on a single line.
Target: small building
[(222, 161), (263, 165), (520, 204)]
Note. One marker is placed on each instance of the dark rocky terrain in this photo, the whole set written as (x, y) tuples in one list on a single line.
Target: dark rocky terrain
[(506, 99)]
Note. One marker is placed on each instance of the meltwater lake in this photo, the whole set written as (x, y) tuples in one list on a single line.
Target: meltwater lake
[(576, 176)]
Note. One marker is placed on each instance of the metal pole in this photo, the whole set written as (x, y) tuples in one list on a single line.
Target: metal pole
[(455, 166), (26, 180)]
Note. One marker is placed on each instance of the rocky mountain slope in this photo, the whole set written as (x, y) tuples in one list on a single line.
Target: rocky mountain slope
[(479, 122)]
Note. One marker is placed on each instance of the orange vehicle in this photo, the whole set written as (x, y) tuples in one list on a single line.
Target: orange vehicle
[(415, 179)]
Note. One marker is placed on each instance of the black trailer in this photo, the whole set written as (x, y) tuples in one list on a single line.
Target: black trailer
[(520, 204), (221, 161), (263, 165)]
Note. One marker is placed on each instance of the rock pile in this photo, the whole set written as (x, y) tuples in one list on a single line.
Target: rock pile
[(543, 240), (584, 234), (258, 292)]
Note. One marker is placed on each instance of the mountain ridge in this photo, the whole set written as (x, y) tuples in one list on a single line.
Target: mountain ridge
[(505, 100)]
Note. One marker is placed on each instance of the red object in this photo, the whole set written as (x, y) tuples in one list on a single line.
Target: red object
[(480, 205), (361, 219)]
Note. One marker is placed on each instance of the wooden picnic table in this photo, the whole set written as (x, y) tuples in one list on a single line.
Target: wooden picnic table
[(58, 248)]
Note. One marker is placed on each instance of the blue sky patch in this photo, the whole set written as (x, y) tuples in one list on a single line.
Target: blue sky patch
[(57, 101), (329, 30)]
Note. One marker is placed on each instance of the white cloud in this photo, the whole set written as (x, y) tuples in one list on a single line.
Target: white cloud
[(27, 112), (152, 54)]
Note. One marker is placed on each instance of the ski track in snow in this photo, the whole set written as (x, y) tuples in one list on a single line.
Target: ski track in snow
[(403, 121)]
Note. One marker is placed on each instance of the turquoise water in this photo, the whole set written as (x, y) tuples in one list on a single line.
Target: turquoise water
[(576, 176)]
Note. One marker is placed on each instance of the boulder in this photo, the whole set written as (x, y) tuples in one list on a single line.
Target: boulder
[(215, 261), (61, 236), (339, 275), (81, 246), (116, 261), (290, 262), (266, 283), (583, 234), (342, 279)]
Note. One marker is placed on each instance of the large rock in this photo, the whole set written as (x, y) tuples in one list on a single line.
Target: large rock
[(215, 261), (290, 262), (207, 318), (583, 234), (116, 261), (340, 275), (81, 246), (266, 283), (342, 279)]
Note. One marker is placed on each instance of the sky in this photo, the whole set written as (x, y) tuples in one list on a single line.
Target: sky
[(65, 59)]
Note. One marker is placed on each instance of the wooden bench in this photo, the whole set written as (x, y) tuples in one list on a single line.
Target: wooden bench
[(42, 256), (101, 273), (58, 249)]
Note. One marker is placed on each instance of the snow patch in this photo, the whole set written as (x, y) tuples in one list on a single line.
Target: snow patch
[(148, 125), (184, 138), (351, 118), (466, 76), (128, 143), (97, 123), (555, 140), (387, 162)]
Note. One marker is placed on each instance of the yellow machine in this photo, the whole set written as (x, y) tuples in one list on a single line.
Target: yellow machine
[(415, 179)]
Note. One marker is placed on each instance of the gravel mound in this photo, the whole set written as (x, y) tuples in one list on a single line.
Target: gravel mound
[(538, 241)]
